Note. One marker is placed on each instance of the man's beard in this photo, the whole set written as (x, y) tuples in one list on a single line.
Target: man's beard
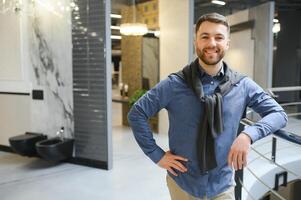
[(203, 57)]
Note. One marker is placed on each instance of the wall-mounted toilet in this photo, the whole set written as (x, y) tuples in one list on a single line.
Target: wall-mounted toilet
[(55, 149), (25, 144)]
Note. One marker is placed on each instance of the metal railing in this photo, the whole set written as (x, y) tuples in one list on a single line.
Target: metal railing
[(282, 89), (288, 137), (292, 139)]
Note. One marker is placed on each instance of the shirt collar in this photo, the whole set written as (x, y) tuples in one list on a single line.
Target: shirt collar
[(202, 72)]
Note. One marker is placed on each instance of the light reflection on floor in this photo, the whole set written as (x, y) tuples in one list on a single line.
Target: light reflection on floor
[(133, 177)]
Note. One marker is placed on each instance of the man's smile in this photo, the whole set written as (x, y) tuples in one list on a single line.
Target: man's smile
[(211, 51)]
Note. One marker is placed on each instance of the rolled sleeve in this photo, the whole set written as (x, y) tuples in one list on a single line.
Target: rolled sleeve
[(273, 115), (147, 106)]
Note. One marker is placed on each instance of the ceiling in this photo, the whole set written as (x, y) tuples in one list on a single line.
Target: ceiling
[(230, 7), (205, 6)]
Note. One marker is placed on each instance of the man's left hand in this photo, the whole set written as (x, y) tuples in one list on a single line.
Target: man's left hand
[(237, 156)]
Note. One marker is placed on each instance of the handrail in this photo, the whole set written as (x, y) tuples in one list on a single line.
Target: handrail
[(288, 136), (285, 89), (265, 184), (290, 104), (280, 133), (278, 165), (294, 114), (285, 135), (282, 89), (244, 187)]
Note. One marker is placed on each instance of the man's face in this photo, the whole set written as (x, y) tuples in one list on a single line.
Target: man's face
[(212, 40)]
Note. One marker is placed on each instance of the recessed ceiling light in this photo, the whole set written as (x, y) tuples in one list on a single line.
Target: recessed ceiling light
[(116, 16), (134, 29), (116, 37), (115, 27), (218, 2)]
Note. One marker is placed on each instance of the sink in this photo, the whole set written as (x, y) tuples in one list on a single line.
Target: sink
[(55, 149)]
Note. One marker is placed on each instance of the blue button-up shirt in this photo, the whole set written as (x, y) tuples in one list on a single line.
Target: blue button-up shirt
[(185, 111)]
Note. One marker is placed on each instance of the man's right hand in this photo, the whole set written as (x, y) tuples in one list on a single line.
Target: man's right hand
[(171, 162)]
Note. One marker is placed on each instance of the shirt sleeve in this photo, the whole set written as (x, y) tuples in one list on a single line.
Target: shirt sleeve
[(147, 106), (273, 115)]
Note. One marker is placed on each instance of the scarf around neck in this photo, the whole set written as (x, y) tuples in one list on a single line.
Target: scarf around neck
[(212, 123)]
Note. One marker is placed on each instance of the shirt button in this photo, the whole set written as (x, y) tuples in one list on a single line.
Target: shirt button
[(211, 82)]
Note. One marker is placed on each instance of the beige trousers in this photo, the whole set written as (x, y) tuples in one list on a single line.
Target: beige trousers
[(176, 193)]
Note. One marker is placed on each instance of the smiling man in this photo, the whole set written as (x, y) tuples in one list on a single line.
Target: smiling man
[(205, 102)]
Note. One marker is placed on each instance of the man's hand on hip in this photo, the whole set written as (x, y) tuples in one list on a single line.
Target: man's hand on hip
[(171, 162), (237, 156)]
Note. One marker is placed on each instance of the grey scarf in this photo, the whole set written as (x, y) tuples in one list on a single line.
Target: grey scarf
[(211, 125)]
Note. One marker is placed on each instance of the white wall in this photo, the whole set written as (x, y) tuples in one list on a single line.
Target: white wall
[(240, 55), (14, 112), (251, 50), (10, 56), (36, 50), (13, 71), (176, 33)]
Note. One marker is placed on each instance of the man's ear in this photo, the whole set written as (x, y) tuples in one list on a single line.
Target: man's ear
[(194, 41), (228, 43)]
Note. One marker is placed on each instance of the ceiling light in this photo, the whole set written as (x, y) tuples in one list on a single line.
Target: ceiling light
[(115, 27), (218, 2), (116, 37), (133, 28), (93, 34), (116, 16), (72, 4), (276, 28), (275, 20)]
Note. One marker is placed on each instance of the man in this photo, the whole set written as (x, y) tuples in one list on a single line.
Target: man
[(205, 102)]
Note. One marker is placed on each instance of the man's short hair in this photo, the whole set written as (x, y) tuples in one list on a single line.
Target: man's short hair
[(214, 18)]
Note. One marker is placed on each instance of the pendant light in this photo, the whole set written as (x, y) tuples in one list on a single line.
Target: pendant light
[(134, 28)]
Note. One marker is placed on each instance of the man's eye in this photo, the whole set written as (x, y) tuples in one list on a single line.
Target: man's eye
[(219, 38), (204, 37)]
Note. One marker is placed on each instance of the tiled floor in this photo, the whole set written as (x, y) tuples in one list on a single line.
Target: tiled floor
[(133, 177)]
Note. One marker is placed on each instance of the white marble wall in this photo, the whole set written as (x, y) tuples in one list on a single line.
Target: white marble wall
[(50, 67)]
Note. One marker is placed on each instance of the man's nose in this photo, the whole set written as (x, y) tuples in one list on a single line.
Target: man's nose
[(212, 42)]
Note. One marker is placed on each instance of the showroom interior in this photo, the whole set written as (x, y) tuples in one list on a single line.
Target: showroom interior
[(70, 71)]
